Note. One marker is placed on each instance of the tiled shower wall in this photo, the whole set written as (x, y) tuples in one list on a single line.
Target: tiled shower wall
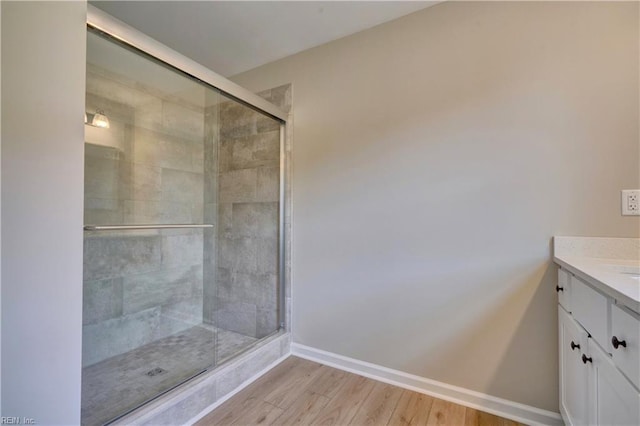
[(146, 168), (166, 161), (249, 187)]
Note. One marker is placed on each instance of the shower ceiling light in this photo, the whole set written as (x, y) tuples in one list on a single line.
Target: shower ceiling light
[(100, 120)]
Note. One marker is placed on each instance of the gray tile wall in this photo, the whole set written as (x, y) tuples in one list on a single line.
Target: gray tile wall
[(170, 162), (148, 167), (248, 198)]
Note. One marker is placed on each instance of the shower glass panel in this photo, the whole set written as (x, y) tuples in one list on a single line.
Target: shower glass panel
[(182, 207)]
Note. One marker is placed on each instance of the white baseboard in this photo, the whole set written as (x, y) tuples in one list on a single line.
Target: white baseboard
[(501, 407)]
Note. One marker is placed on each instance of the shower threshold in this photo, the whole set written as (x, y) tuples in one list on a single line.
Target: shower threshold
[(120, 384)]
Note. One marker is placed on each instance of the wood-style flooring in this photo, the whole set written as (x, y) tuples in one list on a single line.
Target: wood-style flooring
[(301, 392)]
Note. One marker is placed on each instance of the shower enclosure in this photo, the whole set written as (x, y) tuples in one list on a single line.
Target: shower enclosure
[(183, 227)]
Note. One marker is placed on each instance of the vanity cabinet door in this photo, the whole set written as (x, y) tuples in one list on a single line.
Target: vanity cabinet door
[(616, 401), (624, 344), (573, 372)]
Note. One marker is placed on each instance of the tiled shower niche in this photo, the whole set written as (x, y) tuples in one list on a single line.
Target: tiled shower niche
[(163, 305)]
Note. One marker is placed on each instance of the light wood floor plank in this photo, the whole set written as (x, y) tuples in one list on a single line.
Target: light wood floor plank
[(260, 414), (230, 411), (486, 419), (344, 406), (379, 405), (280, 373), (412, 410), (301, 392), (445, 413), (303, 410), (293, 385), (328, 381), (471, 417)]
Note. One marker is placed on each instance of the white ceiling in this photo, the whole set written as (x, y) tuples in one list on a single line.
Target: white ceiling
[(230, 37)]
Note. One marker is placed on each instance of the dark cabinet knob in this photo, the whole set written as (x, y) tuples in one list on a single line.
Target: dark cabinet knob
[(559, 289), (586, 359), (616, 343), (574, 346)]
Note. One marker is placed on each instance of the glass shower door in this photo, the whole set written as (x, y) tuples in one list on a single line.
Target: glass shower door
[(182, 229), (148, 245)]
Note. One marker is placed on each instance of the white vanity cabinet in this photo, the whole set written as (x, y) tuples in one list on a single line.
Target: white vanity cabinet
[(615, 400), (624, 342), (599, 363), (573, 374)]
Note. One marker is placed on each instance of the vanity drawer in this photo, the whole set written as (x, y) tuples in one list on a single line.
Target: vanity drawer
[(590, 309), (625, 333), (564, 289)]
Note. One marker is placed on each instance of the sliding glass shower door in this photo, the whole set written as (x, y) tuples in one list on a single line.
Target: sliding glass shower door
[(182, 207)]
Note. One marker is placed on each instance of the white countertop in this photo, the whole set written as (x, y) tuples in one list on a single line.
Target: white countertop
[(606, 263), (602, 274)]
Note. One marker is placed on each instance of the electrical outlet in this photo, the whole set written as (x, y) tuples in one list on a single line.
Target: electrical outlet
[(631, 202)]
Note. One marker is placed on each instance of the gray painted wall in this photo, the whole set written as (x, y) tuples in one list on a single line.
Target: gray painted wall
[(435, 156), (0, 203), (43, 79)]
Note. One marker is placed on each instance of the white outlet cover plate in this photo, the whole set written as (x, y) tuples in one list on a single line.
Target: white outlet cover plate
[(630, 202)]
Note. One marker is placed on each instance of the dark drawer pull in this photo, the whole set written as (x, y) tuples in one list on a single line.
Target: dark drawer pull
[(559, 289), (574, 346), (586, 359), (615, 342)]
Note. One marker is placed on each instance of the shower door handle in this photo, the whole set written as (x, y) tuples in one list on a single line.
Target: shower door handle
[(138, 227)]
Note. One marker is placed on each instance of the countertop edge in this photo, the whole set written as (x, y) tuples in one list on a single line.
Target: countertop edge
[(603, 287)]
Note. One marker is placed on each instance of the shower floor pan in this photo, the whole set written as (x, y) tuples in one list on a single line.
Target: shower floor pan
[(116, 385)]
